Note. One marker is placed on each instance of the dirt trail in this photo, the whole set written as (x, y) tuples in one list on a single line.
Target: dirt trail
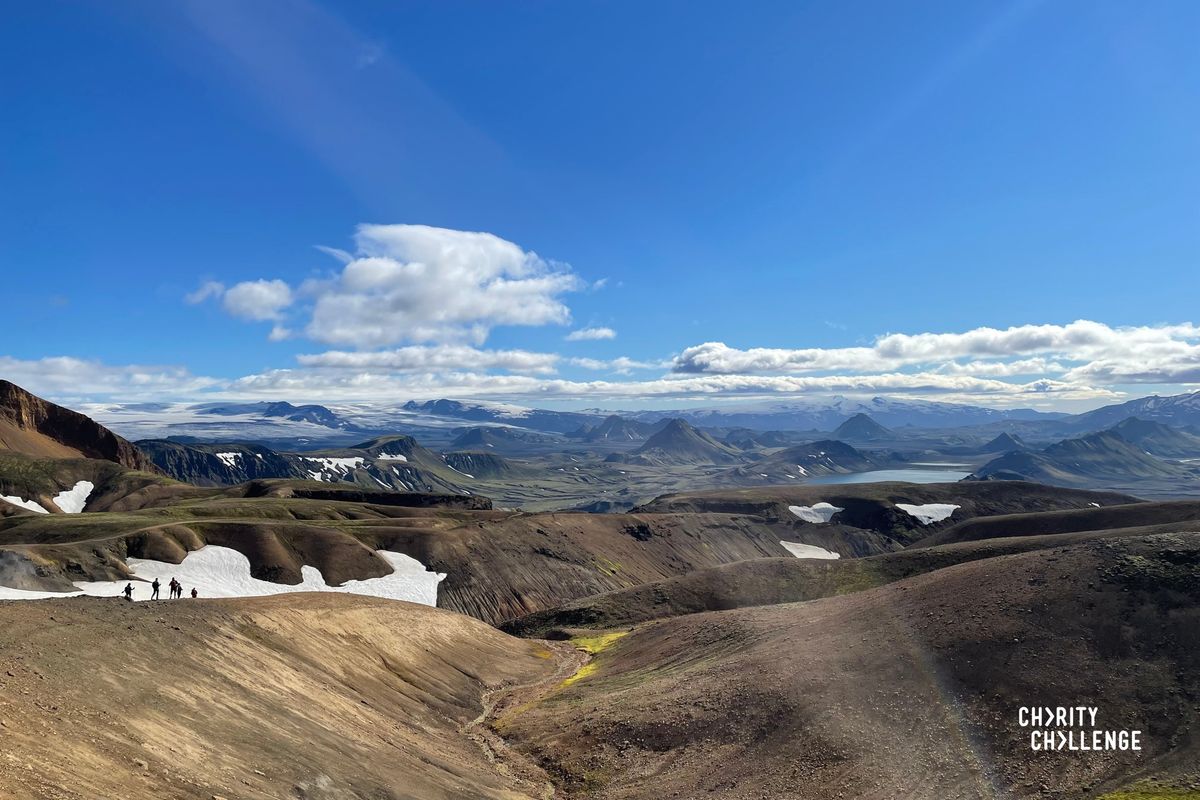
[(508, 761)]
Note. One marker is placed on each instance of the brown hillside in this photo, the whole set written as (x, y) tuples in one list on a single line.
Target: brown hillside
[(300, 696), (39, 428), (912, 689)]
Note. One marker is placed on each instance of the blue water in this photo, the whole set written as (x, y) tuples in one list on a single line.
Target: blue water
[(908, 475)]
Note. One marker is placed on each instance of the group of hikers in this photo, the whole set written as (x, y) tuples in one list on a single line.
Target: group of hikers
[(175, 586)]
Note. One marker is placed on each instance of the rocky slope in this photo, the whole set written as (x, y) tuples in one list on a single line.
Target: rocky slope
[(910, 689), (873, 508), (219, 464), (39, 428), (322, 697), (802, 461)]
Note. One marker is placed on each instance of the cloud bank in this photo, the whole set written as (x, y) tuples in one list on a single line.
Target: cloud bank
[(408, 311)]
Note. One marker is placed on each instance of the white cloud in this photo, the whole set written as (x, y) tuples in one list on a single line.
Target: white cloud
[(415, 283), (1094, 349), (622, 365), (336, 252), (591, 334), (440, 357), (64, 376), (1001, 369), (257, 300), (207, 289), (348, 384)]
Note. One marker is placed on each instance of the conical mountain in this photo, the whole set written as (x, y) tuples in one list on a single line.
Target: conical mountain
[(1003, 443), (680, 443), (861, 428)]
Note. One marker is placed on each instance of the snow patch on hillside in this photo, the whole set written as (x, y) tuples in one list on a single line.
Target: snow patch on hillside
[(817, 513), (338, 467), (224, 572), (74, 499), (930, 512), (29, 505), (391, 457), (800, 550)]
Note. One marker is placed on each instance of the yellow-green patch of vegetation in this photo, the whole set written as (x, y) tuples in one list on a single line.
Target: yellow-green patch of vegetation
[(593, 646), (607, 566), (596, 644), (580, 674), (848, 581)]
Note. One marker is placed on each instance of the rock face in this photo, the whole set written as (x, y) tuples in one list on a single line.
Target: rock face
[(218, 465), (39, 428)]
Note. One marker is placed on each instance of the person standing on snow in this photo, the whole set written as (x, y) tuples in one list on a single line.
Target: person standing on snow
[(129, 591)]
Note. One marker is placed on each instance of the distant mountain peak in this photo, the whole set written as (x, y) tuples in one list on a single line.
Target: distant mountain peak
[(862, 428), (1004, 443), (679, 442)]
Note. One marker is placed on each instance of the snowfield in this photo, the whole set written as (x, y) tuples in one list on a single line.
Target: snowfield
[(335, 466), (818, 513), (74, 499), (31, 505), (930, 512), (800, 550), (391, 457), (224, 572), (69, 501)]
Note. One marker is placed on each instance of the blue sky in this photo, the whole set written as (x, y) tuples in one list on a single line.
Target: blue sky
[(790, 181)]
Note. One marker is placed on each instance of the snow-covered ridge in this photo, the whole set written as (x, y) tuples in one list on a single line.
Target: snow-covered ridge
[(231, 460), (391, 457), (930, 512), (224, 572), (817, 513), (334, 466)]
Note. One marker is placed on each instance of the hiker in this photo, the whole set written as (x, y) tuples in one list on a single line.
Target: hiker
[(154, 589), (129, 591), (195, 594), (174, 588)]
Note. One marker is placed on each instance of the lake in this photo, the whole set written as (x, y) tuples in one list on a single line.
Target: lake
[(907, 475)]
